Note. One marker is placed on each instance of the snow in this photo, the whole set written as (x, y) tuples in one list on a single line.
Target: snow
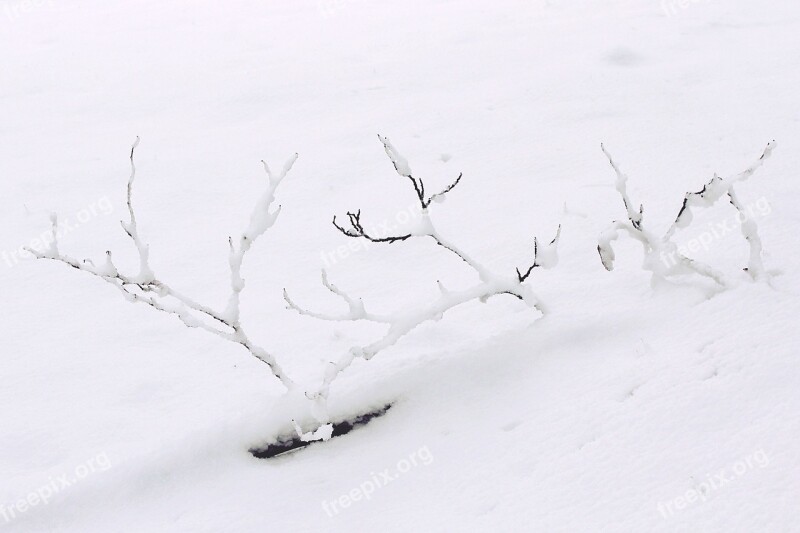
[(618, 410), (400, 163)]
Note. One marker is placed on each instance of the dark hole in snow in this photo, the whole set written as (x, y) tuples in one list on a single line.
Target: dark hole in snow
[(289, 443)]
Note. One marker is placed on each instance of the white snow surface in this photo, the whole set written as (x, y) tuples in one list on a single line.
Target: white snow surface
[(605, 415)]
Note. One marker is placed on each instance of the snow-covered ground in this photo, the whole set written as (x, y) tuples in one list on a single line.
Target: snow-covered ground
[(624, 409)]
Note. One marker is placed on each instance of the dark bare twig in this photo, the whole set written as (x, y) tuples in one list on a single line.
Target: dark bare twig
[(358, 230), (522, 277), (400, 165), (445, 191), (403, 169)]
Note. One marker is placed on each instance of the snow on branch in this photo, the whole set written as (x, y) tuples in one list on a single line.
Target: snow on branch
[(661, 255), (403, 321), (546, 258), (145, 287), (404, 170)]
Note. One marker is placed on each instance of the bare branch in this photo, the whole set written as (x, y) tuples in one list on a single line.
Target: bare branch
[(549, 259), (440, 195), (403, 169), (357, 230)]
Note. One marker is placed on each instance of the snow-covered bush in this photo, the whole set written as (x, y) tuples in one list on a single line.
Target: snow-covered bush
[(403, 321), (661, 256), (143, 286)]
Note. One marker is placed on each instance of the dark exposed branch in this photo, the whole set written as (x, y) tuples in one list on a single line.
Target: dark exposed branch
[(358, 230), (445, 191), (452, 249), (522, 277), (536, 259), (419, 188), (701, 195), (403, 169), (636, 221)]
